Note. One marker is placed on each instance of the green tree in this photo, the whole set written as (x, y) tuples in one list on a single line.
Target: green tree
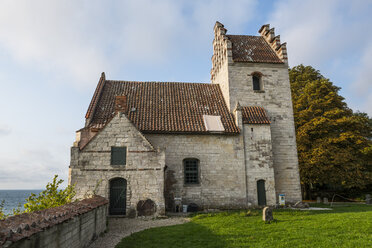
[(50, 197), (334, 145)]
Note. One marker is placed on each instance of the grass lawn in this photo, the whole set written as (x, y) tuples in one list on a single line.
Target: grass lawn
[(344, 226)]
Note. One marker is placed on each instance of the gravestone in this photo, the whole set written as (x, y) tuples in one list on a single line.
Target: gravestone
[(131, 213), (318, 199), (325, 200), (267, 214), (192, 207), (368, 199), (301, 204), (146, 208)]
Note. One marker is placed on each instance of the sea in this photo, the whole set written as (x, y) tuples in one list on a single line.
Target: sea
[(13, 198)]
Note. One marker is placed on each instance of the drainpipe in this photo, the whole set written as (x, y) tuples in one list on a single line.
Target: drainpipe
[(239, 123)]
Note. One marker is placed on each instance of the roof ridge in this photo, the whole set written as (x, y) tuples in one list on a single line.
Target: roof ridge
[(243, 35), (161, 82), (96, 96)]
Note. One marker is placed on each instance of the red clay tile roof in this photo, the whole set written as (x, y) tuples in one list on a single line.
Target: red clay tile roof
[(255, 115), (247, 48), (163, 107), (96, 95)]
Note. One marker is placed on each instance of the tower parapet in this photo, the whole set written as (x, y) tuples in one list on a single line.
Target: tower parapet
[(274, 41)]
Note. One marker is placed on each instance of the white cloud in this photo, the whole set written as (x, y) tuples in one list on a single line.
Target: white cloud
[(363, 82), (79, 39), (306, 25), (331, 36), (31, 168), (233, 14), (319, 30), (72, 42), (49, 35), (4, 130)]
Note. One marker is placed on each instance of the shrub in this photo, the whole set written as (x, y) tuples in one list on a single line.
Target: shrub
[(2, 215), (50, 197)]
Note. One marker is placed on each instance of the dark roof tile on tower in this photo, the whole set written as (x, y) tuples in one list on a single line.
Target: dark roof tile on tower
[(247, 48)]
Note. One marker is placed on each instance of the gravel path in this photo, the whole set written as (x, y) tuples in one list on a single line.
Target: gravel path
[(119, 228)]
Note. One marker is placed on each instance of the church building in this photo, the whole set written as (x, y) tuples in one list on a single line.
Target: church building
[(227, 144)]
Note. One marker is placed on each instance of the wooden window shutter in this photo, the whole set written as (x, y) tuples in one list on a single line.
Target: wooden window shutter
[(118, 155)]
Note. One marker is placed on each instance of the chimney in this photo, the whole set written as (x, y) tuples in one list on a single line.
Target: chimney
[(274, 41), (121, 104)]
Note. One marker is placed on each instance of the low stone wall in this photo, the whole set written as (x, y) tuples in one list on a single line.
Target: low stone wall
[(73, 225)]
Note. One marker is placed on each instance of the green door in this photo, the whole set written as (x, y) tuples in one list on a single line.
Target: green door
[(261, 193), (118, 196)]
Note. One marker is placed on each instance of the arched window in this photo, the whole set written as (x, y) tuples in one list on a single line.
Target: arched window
[(257, 81), (191, 170)]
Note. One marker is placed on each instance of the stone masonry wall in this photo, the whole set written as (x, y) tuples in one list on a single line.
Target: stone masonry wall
[(73, 225), (222, 177), (91, 168), (222, 79), (276, 99), (259, 162)]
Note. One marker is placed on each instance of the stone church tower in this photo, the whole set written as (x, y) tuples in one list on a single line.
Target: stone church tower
[(249, 74)]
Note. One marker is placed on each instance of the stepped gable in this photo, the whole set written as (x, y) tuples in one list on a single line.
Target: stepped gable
[(254, 115), (161, 107), (248, 48)]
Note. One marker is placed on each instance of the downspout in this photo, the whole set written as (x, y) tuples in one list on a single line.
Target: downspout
[(239, 123)]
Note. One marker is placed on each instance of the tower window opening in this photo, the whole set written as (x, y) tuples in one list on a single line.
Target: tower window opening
[(256, 83)]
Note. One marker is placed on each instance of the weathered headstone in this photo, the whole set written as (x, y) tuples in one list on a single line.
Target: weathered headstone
[(192, 207), (301, 204), (267, 214), (131, 213), (325, 200), (318, 199), (146, 208), (368, 199)]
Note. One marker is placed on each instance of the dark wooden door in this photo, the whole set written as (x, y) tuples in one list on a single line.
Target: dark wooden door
[(261, 193), (118, 196)]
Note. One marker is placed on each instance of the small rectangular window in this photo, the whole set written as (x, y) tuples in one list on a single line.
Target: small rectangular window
[(191, 171), (256, 83), (118, 155)]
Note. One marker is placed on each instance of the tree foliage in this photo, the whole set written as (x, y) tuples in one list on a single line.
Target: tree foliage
[(50, 197), (334, 144)]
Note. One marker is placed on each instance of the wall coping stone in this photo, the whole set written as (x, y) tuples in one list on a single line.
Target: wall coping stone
[(15, 228)]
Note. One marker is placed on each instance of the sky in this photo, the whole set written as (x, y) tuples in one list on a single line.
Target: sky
[(53, 52)]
